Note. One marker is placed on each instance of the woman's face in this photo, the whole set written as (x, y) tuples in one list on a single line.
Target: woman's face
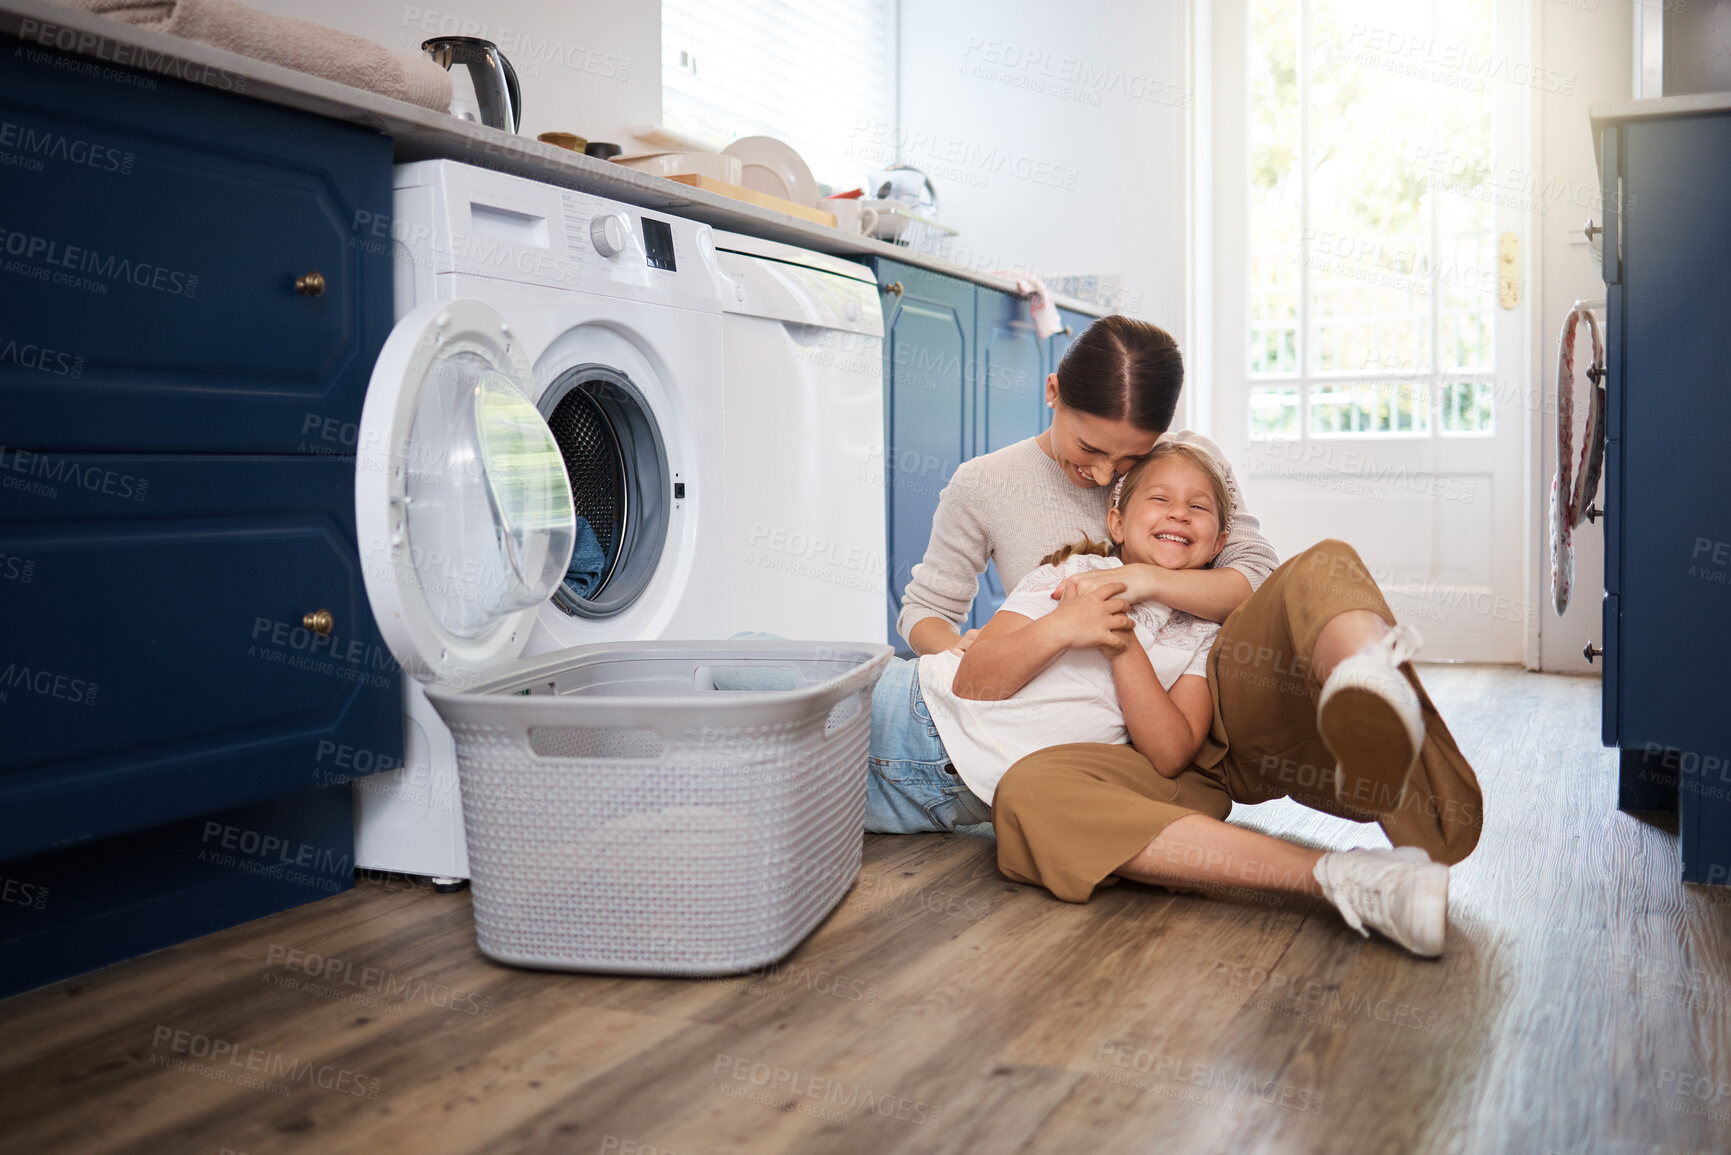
[(1093, 451), (1172, 520)]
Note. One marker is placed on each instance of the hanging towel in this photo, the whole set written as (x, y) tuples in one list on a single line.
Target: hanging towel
[(588, 562), (297, 44), (1569, 502), (1046, 319)]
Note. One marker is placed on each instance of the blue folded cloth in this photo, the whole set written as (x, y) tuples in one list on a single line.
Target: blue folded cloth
[(588, 562)]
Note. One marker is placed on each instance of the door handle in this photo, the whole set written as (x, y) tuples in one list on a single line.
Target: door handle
[(1590, 651)]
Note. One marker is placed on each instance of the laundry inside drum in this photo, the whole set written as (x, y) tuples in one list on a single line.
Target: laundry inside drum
[(596, 467), (616, 460)]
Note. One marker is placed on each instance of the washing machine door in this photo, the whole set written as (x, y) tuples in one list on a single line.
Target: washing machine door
[(462, 505)]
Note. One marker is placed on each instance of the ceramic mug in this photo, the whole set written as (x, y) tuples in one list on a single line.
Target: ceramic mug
[(851, 216)]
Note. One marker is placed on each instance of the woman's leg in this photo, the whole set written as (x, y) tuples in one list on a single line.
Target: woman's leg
[(911, 787), (1268, 667)]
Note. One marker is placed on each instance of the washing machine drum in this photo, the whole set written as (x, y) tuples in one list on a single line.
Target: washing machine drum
[(617, 464)]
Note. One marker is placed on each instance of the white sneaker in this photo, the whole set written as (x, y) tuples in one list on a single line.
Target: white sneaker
[(1389, 890), (1369, 718)]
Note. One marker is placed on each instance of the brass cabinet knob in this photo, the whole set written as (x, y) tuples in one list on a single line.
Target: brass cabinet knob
[(310, 285), (1593, 513), (1067, 331), (894, 287), (1590, 651), (319, 622)]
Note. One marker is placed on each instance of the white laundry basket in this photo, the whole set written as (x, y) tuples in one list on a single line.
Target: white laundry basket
[(663, 807)]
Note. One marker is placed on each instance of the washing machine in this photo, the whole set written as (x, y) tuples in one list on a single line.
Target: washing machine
[(539, 462), (804, 430)]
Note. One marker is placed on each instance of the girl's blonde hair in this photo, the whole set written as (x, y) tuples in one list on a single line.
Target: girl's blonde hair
[(1126, 488)]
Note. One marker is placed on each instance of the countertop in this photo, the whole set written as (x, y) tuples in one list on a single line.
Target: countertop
[(422, 134), (1617, 111)]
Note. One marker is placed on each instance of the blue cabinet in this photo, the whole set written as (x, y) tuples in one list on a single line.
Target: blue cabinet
[(964, 375), (149, 258), (176, 498), (156, 662), (929, 405), (1667, 617)]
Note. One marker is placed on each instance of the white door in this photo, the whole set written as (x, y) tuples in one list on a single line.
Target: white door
[(1369, 365), (462, 505)]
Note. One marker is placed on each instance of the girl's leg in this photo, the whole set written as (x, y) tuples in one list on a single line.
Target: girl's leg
[(1199, 850), (1400, 893), (1270, 663)]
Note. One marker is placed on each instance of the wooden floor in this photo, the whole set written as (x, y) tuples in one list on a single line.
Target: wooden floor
[(1583, 1005)]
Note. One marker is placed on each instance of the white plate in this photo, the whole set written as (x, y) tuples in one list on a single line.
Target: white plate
[(774, 168)]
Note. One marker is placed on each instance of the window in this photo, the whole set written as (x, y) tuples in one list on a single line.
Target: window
[(1373, 274), (818, 74)]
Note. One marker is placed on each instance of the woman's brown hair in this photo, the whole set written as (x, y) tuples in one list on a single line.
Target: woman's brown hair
[(1123, 369), (1126, 488)]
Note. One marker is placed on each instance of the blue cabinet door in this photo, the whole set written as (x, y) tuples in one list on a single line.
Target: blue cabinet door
[(156, 665), (928, 410), (149, 254), (1674, 522), (1010, 400)]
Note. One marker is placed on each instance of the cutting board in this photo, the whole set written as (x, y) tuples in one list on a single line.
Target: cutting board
[(752, 196)]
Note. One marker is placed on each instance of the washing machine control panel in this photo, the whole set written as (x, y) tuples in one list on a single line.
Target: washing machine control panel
[(458, 219), (607, 231)]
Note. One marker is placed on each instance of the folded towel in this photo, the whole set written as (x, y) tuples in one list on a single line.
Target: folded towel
[(297, 44), (1046, 319), (588, 562)]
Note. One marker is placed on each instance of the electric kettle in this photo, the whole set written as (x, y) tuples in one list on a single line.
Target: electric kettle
[(496, 101)]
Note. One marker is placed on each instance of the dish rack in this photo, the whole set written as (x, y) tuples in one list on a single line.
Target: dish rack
[(900, 225)]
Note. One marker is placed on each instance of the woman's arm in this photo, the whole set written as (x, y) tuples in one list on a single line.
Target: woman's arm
[(942, 586), (1012, 648), (1165, 728)]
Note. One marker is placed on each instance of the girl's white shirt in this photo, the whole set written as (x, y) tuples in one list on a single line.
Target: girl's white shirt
[(1073, 699)]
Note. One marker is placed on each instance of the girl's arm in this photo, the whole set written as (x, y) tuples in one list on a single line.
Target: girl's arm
[(1209, 594), (1166, 728), (1012, 648)]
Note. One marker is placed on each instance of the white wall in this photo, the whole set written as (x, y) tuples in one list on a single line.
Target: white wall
[(1055, 134), (585, 66), (1594, 46)]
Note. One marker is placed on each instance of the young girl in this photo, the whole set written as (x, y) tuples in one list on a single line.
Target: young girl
[(1086, 668), (1090, 668)]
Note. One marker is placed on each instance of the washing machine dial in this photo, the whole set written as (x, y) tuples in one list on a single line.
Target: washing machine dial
[(607, 231)]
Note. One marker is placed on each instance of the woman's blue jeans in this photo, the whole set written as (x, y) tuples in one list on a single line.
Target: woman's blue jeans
[(911, 787)]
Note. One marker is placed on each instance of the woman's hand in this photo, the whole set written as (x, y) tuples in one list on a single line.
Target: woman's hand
[(1140, 582), (962, 644), (1095, 618)]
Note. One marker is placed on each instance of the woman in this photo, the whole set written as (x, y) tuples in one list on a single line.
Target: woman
[(1313, 696)]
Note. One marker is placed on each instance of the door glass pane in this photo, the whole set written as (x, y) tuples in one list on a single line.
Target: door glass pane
[(1384, 408), (1371, 249), (1469, 407), (1276, 220), (1371, 215), (1274, 411)]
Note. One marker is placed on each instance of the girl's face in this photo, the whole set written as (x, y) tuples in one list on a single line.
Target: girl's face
[(1172, 520), (1091, 450)]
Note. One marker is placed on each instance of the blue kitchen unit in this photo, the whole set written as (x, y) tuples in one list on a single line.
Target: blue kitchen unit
[(964, 374), (1667, 609), (191, 301)]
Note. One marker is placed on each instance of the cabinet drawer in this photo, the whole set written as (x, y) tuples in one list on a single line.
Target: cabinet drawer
[(149, 255), (155, 665)]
